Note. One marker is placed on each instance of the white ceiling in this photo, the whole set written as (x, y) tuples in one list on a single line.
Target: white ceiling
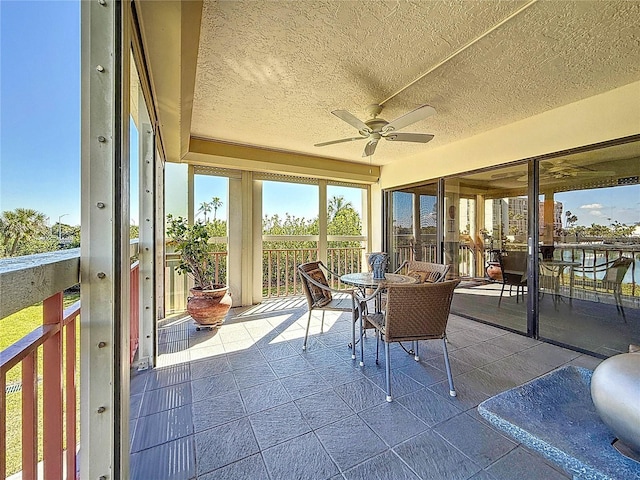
[(269, 73)]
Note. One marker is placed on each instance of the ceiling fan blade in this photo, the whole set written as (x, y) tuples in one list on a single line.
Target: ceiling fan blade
[(509, 175), (409, 137), (351, 120), (413, 116), (339, 141), (370, 148)]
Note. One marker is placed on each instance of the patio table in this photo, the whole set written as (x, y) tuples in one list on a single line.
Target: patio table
[(365, 280), (561, 265)]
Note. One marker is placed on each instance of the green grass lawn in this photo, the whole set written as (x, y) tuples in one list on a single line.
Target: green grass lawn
[(12, 329)]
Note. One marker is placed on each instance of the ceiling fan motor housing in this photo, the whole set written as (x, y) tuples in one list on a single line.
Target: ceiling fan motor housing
[(374, 110), (376, 124)]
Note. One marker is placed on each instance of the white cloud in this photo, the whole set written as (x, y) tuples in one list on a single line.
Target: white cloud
[(592, 206), (596, 213)]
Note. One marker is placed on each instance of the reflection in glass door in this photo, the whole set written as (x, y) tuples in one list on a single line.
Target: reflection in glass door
[(589, 295), (413, 225), (588, 251), (485, 237), (461, 250)]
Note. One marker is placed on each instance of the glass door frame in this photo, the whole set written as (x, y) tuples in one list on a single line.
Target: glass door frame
[(386, 212), (533, 232)]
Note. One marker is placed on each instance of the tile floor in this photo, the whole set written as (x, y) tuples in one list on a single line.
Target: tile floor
[(246, 402)]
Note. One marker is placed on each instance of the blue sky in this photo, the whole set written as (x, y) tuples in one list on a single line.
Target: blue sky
[(296, 199), (40, 107), (40, 121), (603, 205), (40, 130)]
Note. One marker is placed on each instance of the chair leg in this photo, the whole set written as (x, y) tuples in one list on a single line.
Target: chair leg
[(377, 346), (416, 355), (306, 333), (618, 297), (501, 292), (322, 323), (452, 390), (387, 370), (361, 341), (353, 338)]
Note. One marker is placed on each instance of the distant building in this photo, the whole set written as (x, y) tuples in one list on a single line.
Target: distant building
[(508, 217)]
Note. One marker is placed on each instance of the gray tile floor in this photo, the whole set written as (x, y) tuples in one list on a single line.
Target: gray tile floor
[(246, 402)]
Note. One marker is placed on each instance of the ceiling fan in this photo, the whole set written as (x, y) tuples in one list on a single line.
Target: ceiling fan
[(376, 128)]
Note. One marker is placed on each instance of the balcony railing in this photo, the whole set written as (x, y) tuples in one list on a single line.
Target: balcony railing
[(27, 281), (280, 275), (591, 257)]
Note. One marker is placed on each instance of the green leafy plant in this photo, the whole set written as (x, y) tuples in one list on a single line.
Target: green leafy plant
[(192, 243)]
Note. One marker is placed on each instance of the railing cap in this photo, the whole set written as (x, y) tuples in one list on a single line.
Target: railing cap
[(26, 262), (27, 280)]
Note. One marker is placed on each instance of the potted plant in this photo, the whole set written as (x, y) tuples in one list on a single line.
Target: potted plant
[(209, 302)]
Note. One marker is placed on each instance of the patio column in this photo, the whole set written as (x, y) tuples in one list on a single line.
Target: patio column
[(323, 254), (146, 243), (245, 239), (104, 265), (478, 238), (368, 222), (548, 218), (158, 236)]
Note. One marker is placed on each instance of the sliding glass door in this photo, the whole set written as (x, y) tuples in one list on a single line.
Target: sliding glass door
[(486, 217), (589, 297)]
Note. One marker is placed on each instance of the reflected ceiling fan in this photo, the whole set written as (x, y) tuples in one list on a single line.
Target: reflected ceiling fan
[(560, 170), (376, 128)]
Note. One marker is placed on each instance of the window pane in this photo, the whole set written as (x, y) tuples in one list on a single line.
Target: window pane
[(413, 225)]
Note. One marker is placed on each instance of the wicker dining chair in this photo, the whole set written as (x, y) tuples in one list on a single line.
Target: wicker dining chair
[(414, 312), (320, 296), (424, 272), (513, 265), (607, 277)]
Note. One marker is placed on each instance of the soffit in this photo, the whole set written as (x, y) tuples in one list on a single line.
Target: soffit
[(269, 73)]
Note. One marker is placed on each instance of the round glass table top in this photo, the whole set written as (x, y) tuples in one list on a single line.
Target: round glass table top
[(366, 279)]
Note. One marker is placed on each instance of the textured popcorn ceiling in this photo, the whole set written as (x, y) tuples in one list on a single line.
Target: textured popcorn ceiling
[(269, 73)]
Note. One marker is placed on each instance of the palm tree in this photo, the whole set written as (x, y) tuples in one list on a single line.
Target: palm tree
[(20, 224), (571, 218), (216, 203), (205, 207), (336, 204)]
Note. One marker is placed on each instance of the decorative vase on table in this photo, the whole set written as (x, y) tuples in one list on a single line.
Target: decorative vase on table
[(378, 264), (209, 308)]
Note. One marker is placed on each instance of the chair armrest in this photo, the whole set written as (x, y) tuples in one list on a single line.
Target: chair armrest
[(330, 272), (402, 265), (363, 299), (349, 291)]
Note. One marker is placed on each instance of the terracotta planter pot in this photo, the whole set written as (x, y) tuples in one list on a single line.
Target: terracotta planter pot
[(494, 272), (209, 307)]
